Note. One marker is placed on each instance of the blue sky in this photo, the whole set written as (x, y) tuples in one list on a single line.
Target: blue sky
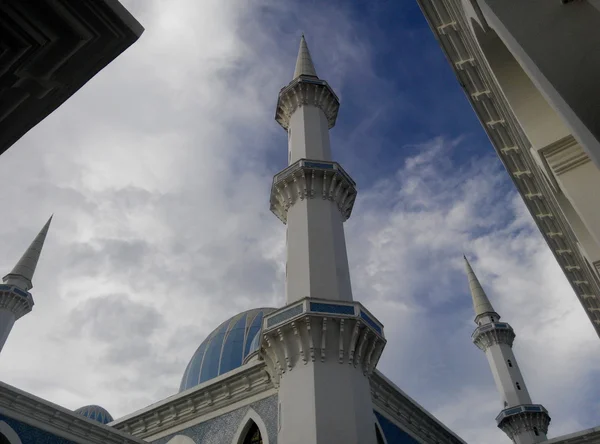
[(158, 173)]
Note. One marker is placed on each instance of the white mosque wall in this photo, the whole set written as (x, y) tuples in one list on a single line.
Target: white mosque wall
[(228, 427), (556, 152), (337, 408), (558, 50), (518, 108)]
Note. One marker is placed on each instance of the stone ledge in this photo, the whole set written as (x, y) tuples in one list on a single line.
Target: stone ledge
[(311, 179), (306, 90), (15, 300), (215, 394), (58, 420)]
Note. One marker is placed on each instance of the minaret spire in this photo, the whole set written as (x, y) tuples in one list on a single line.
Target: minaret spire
[(22, 274), (304, 63), (15, 299), (523, 421), (481, 303)]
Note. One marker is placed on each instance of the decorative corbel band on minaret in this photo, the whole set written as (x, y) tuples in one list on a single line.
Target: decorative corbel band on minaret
[(15, 300), (306, 90), (492, 334), (308, 179), (523, 418), (321, 330)]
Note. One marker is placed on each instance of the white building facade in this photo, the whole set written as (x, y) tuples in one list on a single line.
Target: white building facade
[(530, 70)]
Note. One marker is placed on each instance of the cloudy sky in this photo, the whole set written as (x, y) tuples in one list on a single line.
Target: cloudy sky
[(158, 174)]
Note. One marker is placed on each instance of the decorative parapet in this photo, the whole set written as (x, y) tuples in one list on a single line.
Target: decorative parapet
[(523, 418), (218, 393), (306, 90), (313, 330), (42, 414), (15, 300), (308, 179), (450, 26), (492, 334)]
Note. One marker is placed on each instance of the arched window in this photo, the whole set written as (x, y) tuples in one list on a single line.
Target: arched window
[(251, 430), (253, 435), (8, 435), (378, 435)]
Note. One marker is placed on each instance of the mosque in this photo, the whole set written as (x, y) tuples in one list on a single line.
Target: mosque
[(302, 373)]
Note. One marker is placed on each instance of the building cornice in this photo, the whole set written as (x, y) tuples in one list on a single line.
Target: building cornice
[(588, 436), (216, 394), (457, 42), (42, 414), (564, 155), (389, 399), (50, 50), (14, 299), (312, 179)]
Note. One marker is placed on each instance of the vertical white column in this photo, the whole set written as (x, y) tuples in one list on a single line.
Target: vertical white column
[(7, 320), (317, 260)]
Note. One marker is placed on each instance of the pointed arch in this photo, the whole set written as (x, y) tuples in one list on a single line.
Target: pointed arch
[(380, 436), (181, 439), (7, 434), (250, 419)]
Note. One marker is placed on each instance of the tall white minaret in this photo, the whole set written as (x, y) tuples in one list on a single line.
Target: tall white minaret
[(523, 421), (15, 299), (321, 347)]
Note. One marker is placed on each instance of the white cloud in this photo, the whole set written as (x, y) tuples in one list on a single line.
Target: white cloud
[(158, 172)]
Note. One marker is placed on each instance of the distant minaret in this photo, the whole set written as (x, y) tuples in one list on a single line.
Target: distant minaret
[(321, 347), (15, 299), (522, 421)]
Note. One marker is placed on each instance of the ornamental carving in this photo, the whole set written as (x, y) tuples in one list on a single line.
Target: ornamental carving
[(306, 91), (320, 332), (312, 179), (488, 335), (525, 421), (17, 301)]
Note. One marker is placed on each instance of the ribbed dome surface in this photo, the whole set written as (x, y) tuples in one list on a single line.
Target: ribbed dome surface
[(225, 348), (96, 413)]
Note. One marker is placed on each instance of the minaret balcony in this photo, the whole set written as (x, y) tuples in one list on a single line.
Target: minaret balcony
[(306, 90), (490, 334), (15, 300), (320, 330), (308, 179), (523, 418)]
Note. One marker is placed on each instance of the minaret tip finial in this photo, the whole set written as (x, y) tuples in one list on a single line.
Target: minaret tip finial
[(22, 274), (304, 63)]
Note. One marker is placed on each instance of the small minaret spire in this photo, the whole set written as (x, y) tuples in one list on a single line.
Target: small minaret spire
[(15, 299), (304, 63), (22, 274), (522, 421), (481, 303)]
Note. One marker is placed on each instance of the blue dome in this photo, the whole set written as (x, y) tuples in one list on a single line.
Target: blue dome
[(96, 413), (254, 345), (225, 348)]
